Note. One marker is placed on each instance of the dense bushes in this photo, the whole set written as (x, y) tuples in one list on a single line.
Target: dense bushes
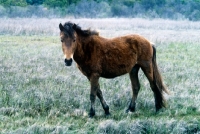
[(29, 11), (90, 9), (173, 9)]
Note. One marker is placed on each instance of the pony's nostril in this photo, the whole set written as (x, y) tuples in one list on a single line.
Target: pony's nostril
[(68, 62)]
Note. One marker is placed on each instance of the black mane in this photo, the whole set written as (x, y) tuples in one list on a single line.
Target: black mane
[(71, 28)]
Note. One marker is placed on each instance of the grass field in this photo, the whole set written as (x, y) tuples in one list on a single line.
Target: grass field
[(39, 94)]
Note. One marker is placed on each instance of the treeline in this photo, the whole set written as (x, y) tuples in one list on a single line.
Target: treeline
[(173, 9)]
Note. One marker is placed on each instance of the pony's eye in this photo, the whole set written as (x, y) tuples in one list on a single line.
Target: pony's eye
[(61, 40), (74, 40)]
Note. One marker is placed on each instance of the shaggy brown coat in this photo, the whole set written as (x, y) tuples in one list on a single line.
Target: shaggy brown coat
[(108, 58)]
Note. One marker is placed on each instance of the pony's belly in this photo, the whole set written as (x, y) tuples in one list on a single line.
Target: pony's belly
[(112, 74), (109, 76)]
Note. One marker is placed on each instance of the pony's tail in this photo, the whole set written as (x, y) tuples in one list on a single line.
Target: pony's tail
[(156, 75)]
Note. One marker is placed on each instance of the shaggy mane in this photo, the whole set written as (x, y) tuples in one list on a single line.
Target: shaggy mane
[(71, 27)]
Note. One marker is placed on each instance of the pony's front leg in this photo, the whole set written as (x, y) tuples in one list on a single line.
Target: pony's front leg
[(92, 109), (93, 92), (103, 102)]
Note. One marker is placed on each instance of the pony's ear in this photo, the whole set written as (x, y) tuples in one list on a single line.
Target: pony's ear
[(74, 26), (61, 27)]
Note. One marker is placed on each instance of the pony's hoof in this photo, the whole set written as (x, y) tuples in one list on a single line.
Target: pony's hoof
[(107, 114), (91, 115), (127, 110), (158, 109), (130, 110)]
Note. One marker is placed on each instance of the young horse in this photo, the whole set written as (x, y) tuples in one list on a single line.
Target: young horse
[(108, 58)]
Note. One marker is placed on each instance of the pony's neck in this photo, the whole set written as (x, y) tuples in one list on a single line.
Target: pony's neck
[(79, 54)]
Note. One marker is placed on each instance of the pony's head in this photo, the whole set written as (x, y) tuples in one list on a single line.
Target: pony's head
[(68, 34), (68, 39)]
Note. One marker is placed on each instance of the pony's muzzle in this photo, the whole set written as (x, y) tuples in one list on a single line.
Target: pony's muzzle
[(68, 62)]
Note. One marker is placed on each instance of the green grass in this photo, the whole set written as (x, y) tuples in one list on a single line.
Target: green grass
[(38, 94)]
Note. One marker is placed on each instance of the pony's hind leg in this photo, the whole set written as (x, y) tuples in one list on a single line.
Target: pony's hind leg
[(135, 87), (158, 94)]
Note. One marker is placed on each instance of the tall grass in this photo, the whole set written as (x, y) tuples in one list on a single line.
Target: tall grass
[(38, 94), (155, 30)]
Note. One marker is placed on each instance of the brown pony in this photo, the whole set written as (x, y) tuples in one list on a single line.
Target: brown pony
[(108, 58)]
